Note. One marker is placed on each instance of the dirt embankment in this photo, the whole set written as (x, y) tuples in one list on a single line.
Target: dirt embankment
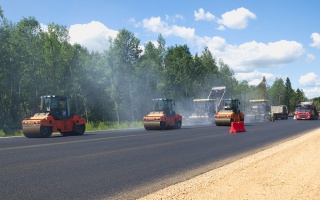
[(290, 170)]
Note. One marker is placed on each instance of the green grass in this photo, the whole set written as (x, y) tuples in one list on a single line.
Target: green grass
[(101, 126), (2, 134), (90, 126), (15, 133)]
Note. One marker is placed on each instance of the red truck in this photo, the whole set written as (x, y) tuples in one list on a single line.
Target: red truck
[(306, 110)]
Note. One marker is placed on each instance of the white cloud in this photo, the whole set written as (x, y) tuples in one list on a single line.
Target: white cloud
[(183, 32), (215, 44), (310, 57), (156, 25), (312, 92), (316, 40), (44, 27), (252, 55), (309, 80), (201, 15), (177, 16), (221, 28), (236, 19), (311, 84), (94, 35), (241, 58), (255, 77), (133, 21)]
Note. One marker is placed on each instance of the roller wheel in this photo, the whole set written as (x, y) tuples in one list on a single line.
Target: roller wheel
[(79, 129), (178, 124), (65, 133), (45, 131), (163, 125), (30, 135)]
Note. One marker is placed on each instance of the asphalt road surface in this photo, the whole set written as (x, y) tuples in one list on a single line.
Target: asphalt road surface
[(128, 164)]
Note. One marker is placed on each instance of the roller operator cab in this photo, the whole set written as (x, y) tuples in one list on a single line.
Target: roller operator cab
[(230, 112), (163, 116), (53, 116)]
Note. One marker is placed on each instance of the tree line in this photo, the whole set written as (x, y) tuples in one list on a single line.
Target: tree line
[(117, 84)]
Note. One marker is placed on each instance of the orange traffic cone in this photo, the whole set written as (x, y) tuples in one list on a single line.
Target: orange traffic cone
[(233, 127), (241, 127)]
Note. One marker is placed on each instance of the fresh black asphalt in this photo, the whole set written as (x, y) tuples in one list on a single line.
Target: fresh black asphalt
[(127, 164)]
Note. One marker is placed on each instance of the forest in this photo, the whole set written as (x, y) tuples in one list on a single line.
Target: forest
[(117, 85)]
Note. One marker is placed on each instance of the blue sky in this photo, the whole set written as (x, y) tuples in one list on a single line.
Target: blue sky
[(275, 39)]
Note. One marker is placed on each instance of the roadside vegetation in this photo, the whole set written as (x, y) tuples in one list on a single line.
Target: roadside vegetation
[(91, 126), (111, 89)]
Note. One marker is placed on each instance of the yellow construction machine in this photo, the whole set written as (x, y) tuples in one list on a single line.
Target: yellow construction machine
[(230, 112), (163, 116)]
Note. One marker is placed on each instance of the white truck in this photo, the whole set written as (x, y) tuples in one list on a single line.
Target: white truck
[(279, 112)]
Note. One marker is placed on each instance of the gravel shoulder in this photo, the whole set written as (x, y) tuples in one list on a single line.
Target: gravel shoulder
[(289, 170)]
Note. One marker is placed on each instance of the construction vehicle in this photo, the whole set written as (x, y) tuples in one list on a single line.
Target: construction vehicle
[(217, 93), (259, 110), (279, 112), (163, 116), (203, 110), (306, 110), (54, 116), (230, 112), (228, 109)]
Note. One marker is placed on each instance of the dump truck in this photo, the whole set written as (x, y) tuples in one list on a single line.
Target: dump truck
[(162, 117), (53, 116), (279, 112), (306, 110), (258, 110), (230, 112)]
